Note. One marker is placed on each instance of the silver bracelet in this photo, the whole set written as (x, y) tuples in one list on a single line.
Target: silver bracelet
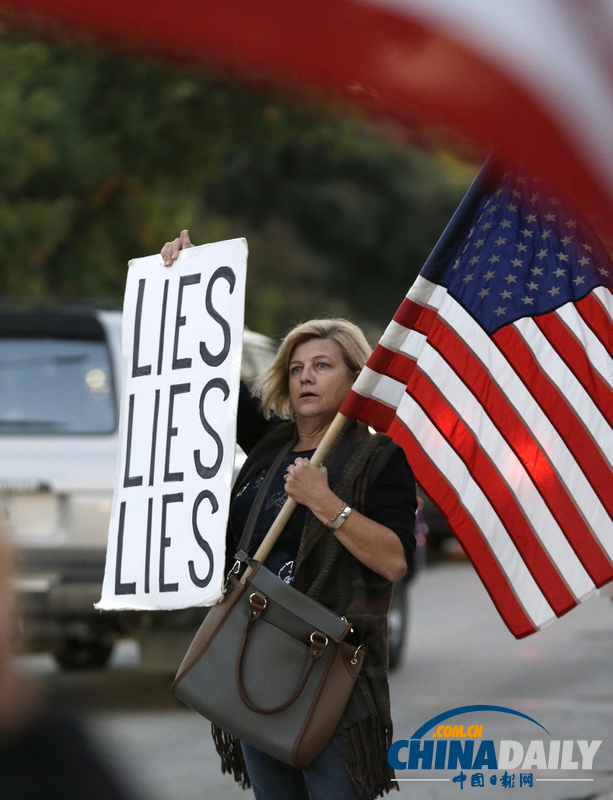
[(336, 524)]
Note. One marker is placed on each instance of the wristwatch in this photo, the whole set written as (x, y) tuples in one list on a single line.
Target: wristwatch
[(338, 521)]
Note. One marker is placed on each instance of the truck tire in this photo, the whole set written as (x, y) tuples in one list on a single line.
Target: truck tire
[(76, 654)]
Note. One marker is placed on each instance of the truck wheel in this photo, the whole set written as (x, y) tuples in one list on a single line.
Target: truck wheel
[(76, 654), (397, 622)]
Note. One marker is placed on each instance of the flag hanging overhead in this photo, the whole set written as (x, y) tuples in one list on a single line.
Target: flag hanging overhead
[(496, 376)]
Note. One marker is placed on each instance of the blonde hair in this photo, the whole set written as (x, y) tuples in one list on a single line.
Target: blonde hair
[(273, 385)]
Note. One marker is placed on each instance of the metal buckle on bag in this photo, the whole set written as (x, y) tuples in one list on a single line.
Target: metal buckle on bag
[(256, 595), (319, 642), (236, 568), (354, 660), (257, 605), (348, 623)]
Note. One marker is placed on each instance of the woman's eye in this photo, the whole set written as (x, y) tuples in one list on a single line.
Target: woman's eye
[(322, 364), (294, 370)]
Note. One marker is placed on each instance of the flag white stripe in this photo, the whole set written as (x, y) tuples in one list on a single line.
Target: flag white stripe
[(414, 346), (395, 336), (512, 472), (380, 387), (426, 293), (595, 351), (569, 387), (605, 298), (455, 472)]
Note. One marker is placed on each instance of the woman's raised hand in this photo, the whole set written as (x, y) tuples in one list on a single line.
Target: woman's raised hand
[(171, 250)]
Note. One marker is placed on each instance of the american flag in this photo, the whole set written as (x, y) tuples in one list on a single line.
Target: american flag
[(496, 376)]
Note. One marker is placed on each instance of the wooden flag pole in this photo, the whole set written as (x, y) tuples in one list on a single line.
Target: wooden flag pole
[(277, 526)]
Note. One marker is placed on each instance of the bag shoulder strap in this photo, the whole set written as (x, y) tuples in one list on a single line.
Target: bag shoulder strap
[(245, 539)]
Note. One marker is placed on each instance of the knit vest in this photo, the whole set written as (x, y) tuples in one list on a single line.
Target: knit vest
[(330, 574)]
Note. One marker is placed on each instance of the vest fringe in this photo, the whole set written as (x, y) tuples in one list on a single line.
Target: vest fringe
[(231, 753), (365, 758), (363, 752)]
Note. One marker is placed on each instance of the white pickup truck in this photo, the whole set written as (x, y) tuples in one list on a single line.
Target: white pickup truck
[(60, 370)]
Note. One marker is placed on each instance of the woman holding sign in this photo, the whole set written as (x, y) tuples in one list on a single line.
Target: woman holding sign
[(350, 537)]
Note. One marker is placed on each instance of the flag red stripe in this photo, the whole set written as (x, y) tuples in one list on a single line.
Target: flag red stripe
[(394, 365), (597, 319), (416, 317), (469, 536), (368, 410), (408, 312), (561, 506), (575, 358), (487, 477)]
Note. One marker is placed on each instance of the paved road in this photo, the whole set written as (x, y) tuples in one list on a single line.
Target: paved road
[(459, 654)]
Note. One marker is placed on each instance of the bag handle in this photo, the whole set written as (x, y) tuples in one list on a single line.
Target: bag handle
[(318, 642)]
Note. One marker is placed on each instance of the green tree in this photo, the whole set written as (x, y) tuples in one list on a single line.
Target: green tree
[(372, 212), (103, 158)]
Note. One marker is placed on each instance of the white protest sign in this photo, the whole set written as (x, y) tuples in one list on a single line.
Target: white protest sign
[(182, 348)]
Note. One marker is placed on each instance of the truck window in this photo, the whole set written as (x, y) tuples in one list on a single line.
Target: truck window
[(53, 386)]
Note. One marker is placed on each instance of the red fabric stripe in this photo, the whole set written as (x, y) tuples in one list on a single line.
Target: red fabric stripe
[(496, 490), (365, 409), (394, 365), (526, 448), (597, 319), (408, 313), (417, 318), (380, 359), (575, 358), (469, 536)]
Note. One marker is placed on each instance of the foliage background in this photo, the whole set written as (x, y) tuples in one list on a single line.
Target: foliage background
[(104, 158)]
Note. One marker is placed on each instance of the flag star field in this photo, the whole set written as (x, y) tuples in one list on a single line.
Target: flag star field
[(528, 253)]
